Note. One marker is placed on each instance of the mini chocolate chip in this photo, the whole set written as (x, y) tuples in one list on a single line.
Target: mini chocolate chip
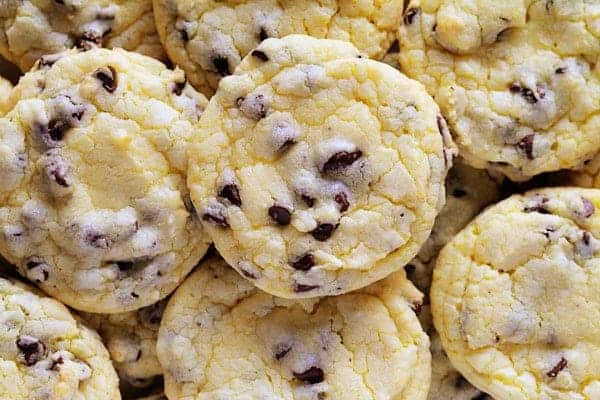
[(301, 288), (342, 200), (309, 201), (341, 160), (282, 350), (323, 231), (261, 55), (179, 86), (526, 146), (528, 94), (138, 355), (135, 295), (312, 375), (586, 238), (548, 231), (57, 363), (108, 77), (262, 34), (221, 64), (219, 220), (560, 70), (231, 193), (410, 14), (254, 106), (304, 263), (562, 364), (281, 215), (458, 193), (32, 348), (539, 206)]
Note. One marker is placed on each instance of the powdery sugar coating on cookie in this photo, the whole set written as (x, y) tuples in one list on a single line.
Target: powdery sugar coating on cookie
[(46, 353), (515, 297), (316, 173), (131, 340), (92, 184), (31, 29), (208, 38), (223, 338), (518, 81)]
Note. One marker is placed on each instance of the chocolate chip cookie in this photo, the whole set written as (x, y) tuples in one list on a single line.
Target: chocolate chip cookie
[(94, 206), (516, 297), (31, 29), (46, 353), (518, 81), (317, 172), (209, 38), (223, 338)]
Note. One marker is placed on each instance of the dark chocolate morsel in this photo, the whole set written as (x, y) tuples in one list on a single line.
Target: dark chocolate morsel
[(219, 220), (108, 77), (562, 364), (261, 55), (301, 288), (282, 350), (221, 64), (281, 215), (342, 200), (312, 375), (231, 193), (262, 34), (341, 160), (410, 14), (323, 231), (304, 263), (57, 363), (526, 146), (309, 201), (32, 349), (179, 86)]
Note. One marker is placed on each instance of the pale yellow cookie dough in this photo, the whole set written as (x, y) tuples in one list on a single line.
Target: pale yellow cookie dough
[(516, 297), (47, 354), (209, 38), (589, 175), (517, 80), (317, 172), (93, 203), (221, 338), (33, 28)]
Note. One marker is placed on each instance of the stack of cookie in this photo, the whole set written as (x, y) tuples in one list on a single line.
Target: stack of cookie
[(300, 200)]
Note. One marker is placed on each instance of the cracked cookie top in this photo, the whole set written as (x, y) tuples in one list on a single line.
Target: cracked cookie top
[(94, 206), (518, 81), (34, 28), (317, 172), (209, 38), (46, 354), (516, 296), (223, 338)]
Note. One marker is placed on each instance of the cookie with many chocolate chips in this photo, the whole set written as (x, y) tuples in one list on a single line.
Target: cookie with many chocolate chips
[(209, 38), (46, 353), (131, 340), (518, 81), (93, 203), (317, 172), (32, 29), (223, 338), (516, 297)]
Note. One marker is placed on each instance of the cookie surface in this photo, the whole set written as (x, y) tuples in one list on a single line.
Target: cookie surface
[(589, 175), (5, 90), (316, 173), (223, 338), (94, 204), (131, 341), (31, 29), (46, 354), (209, 38), (519, 82), (515, 297)]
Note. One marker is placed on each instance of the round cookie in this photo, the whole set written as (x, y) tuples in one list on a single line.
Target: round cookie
[(5, 91), (589, 176), (31, 29), (317, 173), (209, 38), (94, 206), (516, 297), (131, 340), (46, 354), (518, 81), (223, 338)]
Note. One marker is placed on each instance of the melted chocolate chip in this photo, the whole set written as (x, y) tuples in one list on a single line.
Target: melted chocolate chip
[(301, 288), (221, 64), (261, 55), (562, 364), (231, 193), (341, 160), (32, 349), (282, 350), (281, 215), (304, 263), (219, 220), (108, 77), (323, 231), (312, 375), (262, 34), (342, 200), (410, 14), (526, 146), (309, 201), (528, 94)]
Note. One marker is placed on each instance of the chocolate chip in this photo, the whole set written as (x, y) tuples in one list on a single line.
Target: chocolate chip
[(57, 363), (184, 35), (458, 193), (32, 348), (262, 34), (231, 193), (529, 95), (526, 146), (301, 288), (56, 170), (261, 55), (341, 160), (539, 205), (281, 215), (323, 231), (253, 106), (309, 201), (304, 263), (37, 269), (312, 375), (179, 86), (410, 14), (560, 70), (221, 64), (282, 350), (134, 295), (219, 220), (108, 77), (562, 364), (342, 200)]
